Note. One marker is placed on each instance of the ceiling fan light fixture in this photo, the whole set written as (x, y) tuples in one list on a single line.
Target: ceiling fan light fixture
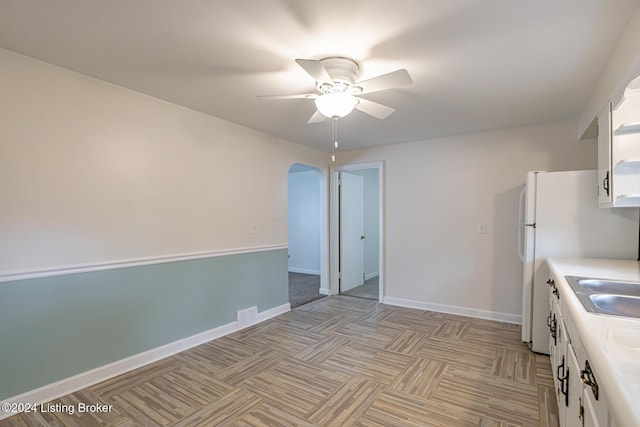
[(336, 104)]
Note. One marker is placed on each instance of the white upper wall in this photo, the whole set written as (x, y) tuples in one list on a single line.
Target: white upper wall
[(438, 191), (92, 172)]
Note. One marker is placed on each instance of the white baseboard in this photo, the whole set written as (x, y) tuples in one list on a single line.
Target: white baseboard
[(324, 291), (368, 276), (452, 309), (86, 379), (273, 312), (304, 271)]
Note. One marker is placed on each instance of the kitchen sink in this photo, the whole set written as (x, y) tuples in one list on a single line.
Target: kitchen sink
[(610, 286), (620, 305), (613, 297)]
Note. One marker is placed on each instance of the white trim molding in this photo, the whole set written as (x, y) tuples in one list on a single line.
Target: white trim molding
[(272, 312), (86, 379), (304, 271), (452, 309), (369, 276), (135, 262)]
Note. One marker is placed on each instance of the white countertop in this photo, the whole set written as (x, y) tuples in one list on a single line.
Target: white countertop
[(613, 343)]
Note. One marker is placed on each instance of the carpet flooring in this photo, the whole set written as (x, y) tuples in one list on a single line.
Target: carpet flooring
[(303, 288)]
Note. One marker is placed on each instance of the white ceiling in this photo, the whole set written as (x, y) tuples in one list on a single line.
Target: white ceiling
[(476, 64)]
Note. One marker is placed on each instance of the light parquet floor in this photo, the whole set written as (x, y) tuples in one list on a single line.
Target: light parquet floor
[(338, 361)]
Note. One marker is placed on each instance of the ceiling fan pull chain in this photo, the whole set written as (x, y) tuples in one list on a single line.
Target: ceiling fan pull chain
[(334, 135)]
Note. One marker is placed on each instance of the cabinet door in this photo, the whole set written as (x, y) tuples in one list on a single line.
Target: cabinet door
[(574, 389), (596, 411), (604, 156), (590, 416), (551, 324), (625, 151), (561, 373), (558, 341)]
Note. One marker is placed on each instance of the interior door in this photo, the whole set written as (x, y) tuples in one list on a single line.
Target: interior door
[(351, 231)]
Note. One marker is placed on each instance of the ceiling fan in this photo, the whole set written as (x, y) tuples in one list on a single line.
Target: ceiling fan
[(339, 91)]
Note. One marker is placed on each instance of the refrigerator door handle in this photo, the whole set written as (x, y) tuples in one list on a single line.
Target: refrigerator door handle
[(521, 224)]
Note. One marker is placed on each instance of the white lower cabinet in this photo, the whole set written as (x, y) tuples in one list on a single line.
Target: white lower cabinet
[(581, 402), (590, 416), (573, 413)]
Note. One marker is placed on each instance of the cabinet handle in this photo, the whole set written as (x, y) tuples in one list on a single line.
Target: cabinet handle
[(552, 283), (564, 380), (581, 412), (553, 328), (549, 320), (587, 377), (605, 183), (564, 385), (560, 366)]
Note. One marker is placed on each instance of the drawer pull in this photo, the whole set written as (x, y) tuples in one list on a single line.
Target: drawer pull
[(587, 377), (552, 284), (564, 386), (560, 368), (564, 380)]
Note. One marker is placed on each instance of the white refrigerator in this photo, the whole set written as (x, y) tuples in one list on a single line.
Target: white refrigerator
[(560, 217)]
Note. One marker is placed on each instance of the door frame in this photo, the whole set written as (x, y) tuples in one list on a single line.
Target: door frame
[(334, 224), (325, 279)]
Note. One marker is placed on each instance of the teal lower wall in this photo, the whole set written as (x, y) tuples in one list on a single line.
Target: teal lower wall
[(56, 327)]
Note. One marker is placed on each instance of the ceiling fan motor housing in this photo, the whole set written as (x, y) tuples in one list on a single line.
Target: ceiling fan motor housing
[(343, 72), (337, 82)]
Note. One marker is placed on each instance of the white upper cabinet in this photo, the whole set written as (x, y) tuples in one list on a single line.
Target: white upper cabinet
[(604, 156), (619, 150)]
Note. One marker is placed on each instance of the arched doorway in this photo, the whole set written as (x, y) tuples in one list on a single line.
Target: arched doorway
[(307, 234)]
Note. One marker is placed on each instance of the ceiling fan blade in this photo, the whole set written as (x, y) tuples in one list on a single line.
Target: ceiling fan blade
[(374, 109), (317, 117), (386, 81), (298, 96), (315, 69)]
